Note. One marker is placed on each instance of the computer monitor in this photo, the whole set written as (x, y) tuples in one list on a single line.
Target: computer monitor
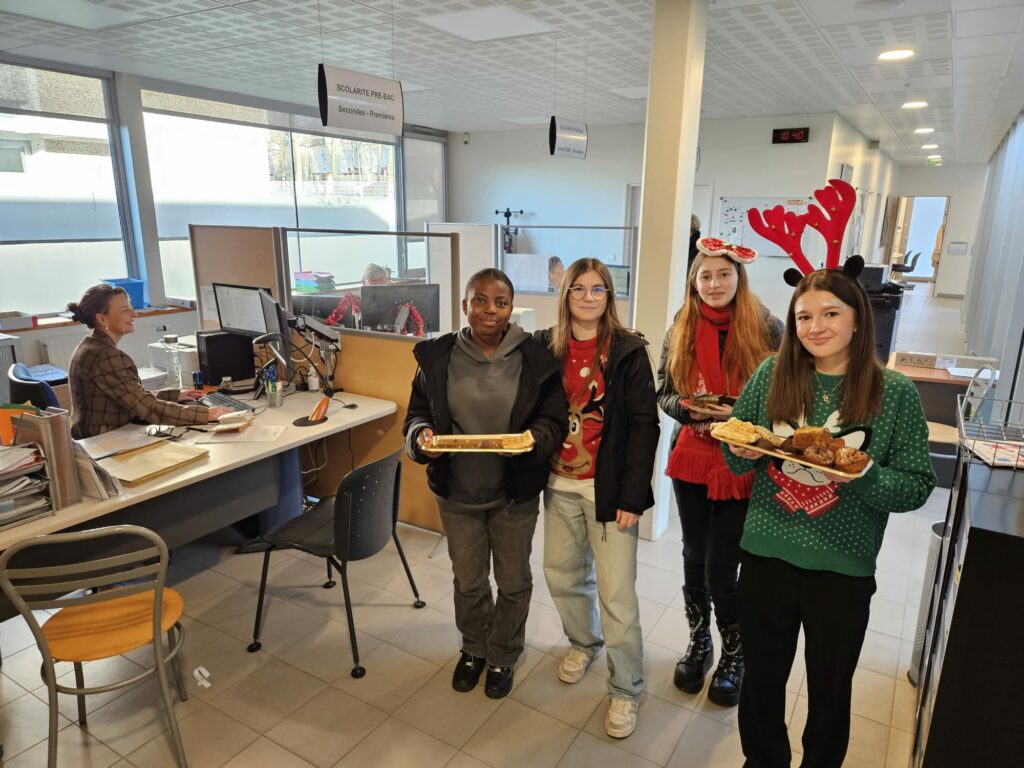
[(274, 316), (240, 309), (620, 278), (379, 302)]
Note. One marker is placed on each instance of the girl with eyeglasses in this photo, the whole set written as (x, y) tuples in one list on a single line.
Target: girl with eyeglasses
[(718, 338), (600, 485), (489, 378)]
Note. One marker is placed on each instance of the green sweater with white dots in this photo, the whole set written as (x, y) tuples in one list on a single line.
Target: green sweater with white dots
[(798, 516)]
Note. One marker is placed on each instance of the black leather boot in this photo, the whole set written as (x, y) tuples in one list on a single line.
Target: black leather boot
[(725, 683), (691, 669)]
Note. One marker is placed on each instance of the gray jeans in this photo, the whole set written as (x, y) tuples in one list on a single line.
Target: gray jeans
[(492, 629)]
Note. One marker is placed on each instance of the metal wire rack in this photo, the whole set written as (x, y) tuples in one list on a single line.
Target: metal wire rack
[(991, 431)]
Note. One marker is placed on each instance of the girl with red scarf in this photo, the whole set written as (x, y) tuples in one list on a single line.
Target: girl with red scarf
[(718, 338)]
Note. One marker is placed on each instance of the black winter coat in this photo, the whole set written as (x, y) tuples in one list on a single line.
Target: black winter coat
[(539, 407), (629, 437)]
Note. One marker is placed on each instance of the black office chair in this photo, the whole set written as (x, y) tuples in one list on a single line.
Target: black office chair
[(907, 265), (24, 388), (354, 524)]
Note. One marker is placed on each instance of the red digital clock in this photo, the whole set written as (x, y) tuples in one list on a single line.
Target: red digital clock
[(790, 135)]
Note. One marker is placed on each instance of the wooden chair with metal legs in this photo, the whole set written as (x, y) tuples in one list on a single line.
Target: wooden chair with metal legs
[(354, 524), (108, 605)]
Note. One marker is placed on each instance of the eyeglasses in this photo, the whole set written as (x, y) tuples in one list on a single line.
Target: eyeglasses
[(597, 292)]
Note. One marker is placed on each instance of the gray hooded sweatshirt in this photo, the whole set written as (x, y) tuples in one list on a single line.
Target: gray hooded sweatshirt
[(481, 393)]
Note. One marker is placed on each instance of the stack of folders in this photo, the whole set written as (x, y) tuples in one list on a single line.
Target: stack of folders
[(51, 431), (23, 485)]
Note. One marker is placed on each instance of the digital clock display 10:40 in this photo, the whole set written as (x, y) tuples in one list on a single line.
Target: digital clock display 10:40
[(790, 135)]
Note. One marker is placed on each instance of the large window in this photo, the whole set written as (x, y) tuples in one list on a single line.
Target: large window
[(60, 227), (238, 165)]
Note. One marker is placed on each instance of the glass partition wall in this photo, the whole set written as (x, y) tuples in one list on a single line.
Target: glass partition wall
[(357, 280)]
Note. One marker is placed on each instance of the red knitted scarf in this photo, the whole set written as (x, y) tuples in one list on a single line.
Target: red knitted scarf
[(697, 457)]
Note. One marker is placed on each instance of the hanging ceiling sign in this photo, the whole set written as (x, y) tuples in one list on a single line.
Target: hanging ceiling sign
[(356, 100), (567, 138)]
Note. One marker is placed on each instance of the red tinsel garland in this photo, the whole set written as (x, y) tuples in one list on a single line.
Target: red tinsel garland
[(415, 317), (348, 302)]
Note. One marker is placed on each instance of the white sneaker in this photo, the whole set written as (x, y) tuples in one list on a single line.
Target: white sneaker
[(621, 718), (574, 666)]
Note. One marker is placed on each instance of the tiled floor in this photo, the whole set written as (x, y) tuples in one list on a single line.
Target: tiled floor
[(929, 324), (295, 705)]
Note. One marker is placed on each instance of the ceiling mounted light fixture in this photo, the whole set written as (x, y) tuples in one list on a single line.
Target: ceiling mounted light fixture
[(897, 55), (929, 146), (934, 157), (924, 130), (915, 104)]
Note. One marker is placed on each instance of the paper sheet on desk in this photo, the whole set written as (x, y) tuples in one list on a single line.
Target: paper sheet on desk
[(119, 440), (966, 373), (254, 434)]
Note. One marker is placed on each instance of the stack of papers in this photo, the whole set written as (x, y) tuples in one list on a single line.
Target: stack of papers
[(23, 490)]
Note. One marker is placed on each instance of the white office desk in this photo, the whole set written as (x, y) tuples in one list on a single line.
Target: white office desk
[(249, 472)]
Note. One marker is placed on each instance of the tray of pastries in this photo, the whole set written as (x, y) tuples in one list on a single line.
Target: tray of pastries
[(704, 403), (811, 446), (514, 443)]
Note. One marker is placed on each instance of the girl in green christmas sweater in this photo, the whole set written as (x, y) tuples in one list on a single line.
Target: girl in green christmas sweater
[(811, 536)]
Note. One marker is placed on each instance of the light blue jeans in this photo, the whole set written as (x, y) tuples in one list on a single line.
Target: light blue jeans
[(587, 565)]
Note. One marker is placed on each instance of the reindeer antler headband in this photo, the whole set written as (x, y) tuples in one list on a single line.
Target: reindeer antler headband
[(785, 228)]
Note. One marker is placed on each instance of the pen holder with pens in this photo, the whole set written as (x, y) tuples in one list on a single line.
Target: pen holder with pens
[(275, 394)]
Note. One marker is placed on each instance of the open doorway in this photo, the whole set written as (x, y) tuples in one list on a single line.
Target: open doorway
[(917, 240)]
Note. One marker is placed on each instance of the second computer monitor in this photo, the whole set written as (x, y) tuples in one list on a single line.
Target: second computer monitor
[(274, 316), (380, 303)]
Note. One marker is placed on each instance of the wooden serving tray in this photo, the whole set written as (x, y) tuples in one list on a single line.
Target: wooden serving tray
[(514, 443), (794, 459)]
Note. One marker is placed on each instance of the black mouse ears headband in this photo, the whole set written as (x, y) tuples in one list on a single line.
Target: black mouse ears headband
[(785, 228)]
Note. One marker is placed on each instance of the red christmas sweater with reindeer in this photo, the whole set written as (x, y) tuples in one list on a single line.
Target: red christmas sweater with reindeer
[(796, 514), (572, 468)]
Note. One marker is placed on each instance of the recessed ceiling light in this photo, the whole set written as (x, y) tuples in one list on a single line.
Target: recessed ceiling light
[(934, 157), (491, 23), (929, 146), (897, 55), (915, 104), (924, 130)]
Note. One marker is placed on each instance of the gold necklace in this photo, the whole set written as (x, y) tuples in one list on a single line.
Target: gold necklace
[(826, 397)]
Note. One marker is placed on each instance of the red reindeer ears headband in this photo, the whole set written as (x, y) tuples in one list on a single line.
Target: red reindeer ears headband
[(785, 228)]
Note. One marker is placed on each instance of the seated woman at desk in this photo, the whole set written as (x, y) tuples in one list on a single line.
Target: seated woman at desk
[(106, 392)]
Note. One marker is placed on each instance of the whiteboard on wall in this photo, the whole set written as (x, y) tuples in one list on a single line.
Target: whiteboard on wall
[(734, 227)]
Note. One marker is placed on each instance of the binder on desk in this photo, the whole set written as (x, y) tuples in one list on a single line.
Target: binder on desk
[(151, 461), (51, 429)]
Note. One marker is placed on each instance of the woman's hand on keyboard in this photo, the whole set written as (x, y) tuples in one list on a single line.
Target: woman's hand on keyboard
[(216, 413), (189, 395)]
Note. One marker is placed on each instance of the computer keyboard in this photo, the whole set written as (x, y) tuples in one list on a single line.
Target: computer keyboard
[(220, 400)]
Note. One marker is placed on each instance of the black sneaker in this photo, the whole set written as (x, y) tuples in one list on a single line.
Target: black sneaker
[(467, 672), (499, 682)]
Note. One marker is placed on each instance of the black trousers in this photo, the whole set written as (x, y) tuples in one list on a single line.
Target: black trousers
[(493, 628), (775, 598), (711, 544)]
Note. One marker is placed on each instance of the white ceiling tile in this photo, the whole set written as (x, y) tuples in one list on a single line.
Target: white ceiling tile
[(977, 78), (986, 45), (982, 64), (991, 21)]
